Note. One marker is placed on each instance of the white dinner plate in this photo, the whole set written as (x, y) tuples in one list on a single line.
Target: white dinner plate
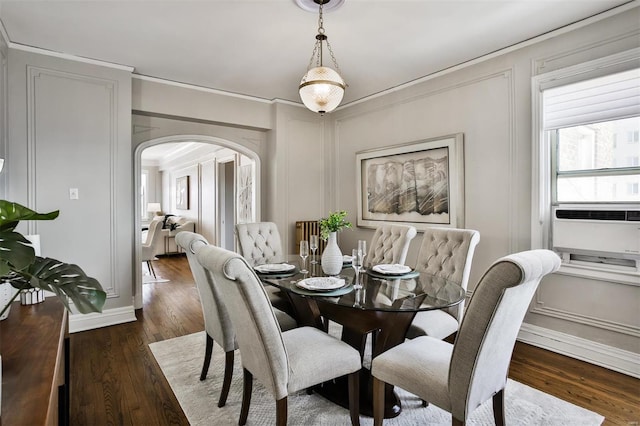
[(272, 268), (321, 283), (391, 269)]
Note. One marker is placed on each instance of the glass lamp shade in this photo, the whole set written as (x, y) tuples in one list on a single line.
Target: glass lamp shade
[(321, 89)]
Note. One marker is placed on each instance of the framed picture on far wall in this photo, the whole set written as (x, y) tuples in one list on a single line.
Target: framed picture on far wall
[(182, 193), (419, 183)]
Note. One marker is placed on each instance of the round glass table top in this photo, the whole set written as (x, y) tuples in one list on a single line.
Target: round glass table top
[(411, 292)]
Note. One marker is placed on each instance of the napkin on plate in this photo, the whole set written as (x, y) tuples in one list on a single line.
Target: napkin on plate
[(274, 267), (394, 269), (321, 283)]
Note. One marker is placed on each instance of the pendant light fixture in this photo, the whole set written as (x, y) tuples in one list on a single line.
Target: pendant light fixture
[(321, 88)]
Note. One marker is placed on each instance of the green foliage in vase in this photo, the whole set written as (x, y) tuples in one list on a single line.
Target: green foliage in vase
[(334, 223), (20, 266)]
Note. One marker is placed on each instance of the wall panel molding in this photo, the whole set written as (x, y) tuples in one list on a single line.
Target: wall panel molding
[(564, 59), (37, 79)]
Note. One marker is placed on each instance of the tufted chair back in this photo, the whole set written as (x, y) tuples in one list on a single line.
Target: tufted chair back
[(260, 243), (390, 244), (447, 253)]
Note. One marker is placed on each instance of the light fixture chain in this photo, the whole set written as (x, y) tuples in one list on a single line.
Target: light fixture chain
[(333, 58), (315, 55)]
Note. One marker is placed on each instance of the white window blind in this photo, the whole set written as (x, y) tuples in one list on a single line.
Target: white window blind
[(600, 99)]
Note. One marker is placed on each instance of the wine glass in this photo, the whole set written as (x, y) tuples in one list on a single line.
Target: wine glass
[(304, 253), (362, 246), (356, 263), (313, 245)]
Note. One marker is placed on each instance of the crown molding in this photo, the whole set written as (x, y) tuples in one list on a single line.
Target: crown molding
[(551, 34), (40, 51)]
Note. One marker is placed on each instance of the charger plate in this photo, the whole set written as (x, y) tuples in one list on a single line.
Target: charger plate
[(339, 292)]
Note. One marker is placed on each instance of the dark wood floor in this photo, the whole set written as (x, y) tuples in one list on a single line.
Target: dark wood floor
[(115, 379)]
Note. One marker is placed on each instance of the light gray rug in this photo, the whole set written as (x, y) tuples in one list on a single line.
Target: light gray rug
[(181, 360)]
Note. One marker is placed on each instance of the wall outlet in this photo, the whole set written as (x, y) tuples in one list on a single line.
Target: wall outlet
[(73, 193)]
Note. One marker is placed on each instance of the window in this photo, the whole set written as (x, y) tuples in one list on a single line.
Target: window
[(586, 181), (587, 163)]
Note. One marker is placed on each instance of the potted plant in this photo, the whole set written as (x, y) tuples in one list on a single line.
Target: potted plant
[(23, 269), (331, 259)]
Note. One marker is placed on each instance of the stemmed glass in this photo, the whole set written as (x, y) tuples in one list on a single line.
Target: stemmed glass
[(362, 246), (313, 245), (304, 253), (356, 263)]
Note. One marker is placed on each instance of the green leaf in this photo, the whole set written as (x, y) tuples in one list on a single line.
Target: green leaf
[(334, 223), (15, 252), (67, 281), (12, 213)]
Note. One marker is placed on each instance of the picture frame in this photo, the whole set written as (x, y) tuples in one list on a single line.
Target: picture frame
[(419, 183), (182, 193), (245, 194)]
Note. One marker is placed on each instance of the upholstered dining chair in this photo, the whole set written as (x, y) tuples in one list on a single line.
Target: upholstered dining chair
[(217, 323), (148, 247), (446, 253), (459, 377), (260, 243), (390, 244), (284, 362)]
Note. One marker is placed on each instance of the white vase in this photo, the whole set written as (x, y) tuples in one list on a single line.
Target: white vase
[(331, 259)]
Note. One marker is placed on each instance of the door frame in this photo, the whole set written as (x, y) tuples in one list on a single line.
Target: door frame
[(137, 170)]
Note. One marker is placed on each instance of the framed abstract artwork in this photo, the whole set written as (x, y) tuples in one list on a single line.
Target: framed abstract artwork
[(182, 193), (419, 183)]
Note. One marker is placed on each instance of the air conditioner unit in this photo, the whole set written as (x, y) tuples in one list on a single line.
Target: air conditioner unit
[(596, 232)]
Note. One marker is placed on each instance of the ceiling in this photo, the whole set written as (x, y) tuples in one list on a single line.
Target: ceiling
[(262, 48)]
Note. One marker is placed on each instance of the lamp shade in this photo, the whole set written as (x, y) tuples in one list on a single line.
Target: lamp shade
[(321, 89), (154, 207)]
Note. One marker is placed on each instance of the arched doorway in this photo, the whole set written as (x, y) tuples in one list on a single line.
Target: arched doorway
[(230, 161)]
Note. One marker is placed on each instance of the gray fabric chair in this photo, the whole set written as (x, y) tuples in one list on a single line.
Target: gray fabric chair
[(460, 377), (446, 253), (260, 243), (147, 253), (390, 244), (284, 362), (217, 323)]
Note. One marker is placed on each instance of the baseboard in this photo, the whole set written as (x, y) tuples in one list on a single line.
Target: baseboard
[(83, 322), (615, 359)]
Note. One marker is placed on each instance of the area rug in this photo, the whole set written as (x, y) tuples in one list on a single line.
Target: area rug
[(181, 360)]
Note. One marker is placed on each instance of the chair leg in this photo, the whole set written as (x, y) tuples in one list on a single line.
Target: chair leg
[(498, 408), (246, 397), (378, 401), (354, 398), (425, 403), (281, 412), (208, 350), (456, 422), (226, 383), (150, 266)]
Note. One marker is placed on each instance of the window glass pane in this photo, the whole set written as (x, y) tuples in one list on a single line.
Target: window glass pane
[(623, 188), (611, 144)]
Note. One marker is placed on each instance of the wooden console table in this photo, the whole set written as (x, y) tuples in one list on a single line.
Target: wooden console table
[(34, 345)]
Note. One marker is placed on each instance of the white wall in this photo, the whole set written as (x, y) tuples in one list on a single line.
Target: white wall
[(4, 128), (69, 127), (490, 102)]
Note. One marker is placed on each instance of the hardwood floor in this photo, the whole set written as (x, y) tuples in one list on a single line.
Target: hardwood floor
[(115, 379)]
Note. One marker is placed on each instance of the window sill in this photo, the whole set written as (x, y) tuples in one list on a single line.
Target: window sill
[(600, 274)]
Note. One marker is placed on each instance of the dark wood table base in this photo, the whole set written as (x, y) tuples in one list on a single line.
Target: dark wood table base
[(388, 328)]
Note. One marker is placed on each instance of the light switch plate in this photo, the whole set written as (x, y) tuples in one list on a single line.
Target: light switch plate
[(73, 193)]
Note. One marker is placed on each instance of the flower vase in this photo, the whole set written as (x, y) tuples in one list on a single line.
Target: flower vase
[(331, 259)]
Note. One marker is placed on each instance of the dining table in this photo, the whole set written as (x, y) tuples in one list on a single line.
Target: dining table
[(382, 310)]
